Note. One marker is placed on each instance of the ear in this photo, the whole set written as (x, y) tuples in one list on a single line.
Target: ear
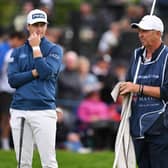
[(160, 33)]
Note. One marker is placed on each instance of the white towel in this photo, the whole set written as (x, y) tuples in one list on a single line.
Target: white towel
[(124, 148)]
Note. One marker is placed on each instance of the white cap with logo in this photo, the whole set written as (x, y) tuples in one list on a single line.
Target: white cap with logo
[(36, 16), (149, 22)]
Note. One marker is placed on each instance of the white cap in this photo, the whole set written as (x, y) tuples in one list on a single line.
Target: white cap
[(36, 16), (149, 22)]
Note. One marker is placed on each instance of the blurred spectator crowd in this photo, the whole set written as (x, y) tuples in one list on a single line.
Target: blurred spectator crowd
[(98, 44)]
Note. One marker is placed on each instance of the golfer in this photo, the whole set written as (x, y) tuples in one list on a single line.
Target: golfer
[(33, 70), (149, 119)]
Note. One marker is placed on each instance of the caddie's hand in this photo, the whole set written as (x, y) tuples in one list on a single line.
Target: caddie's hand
[(127, 87), (34, 39)]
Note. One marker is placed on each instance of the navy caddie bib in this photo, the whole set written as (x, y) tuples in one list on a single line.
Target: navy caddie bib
[(145, 109)]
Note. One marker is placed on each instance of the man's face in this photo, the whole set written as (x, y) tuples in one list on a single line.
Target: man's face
[(16, 42), (39, 28), (149, 37)]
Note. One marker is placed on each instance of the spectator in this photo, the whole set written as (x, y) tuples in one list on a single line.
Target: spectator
[(84, 26), (69, 88), (62, 129), (109, 40), (162, 6), (102, 70), (16, 39), (135, 12), (48, 8), (48, 3), (73, 143), (93, 117), (86, 77), (19, 22), (54, 34)]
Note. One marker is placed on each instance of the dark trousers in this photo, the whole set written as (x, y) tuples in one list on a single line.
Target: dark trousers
[(152, 151)]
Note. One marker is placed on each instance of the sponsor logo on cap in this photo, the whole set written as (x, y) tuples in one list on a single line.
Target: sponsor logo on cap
[(38, 15)]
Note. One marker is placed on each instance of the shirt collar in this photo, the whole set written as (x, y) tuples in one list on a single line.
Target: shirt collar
[(157, 51), (155, 54)]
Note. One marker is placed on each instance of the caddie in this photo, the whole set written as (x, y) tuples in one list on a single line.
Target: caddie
[(149, 118)]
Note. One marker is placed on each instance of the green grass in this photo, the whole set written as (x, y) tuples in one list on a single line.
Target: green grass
[(65, 159)]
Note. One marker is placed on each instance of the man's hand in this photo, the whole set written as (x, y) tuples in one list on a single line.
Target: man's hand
[(35, 73), (34, 39), (127, 87)]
